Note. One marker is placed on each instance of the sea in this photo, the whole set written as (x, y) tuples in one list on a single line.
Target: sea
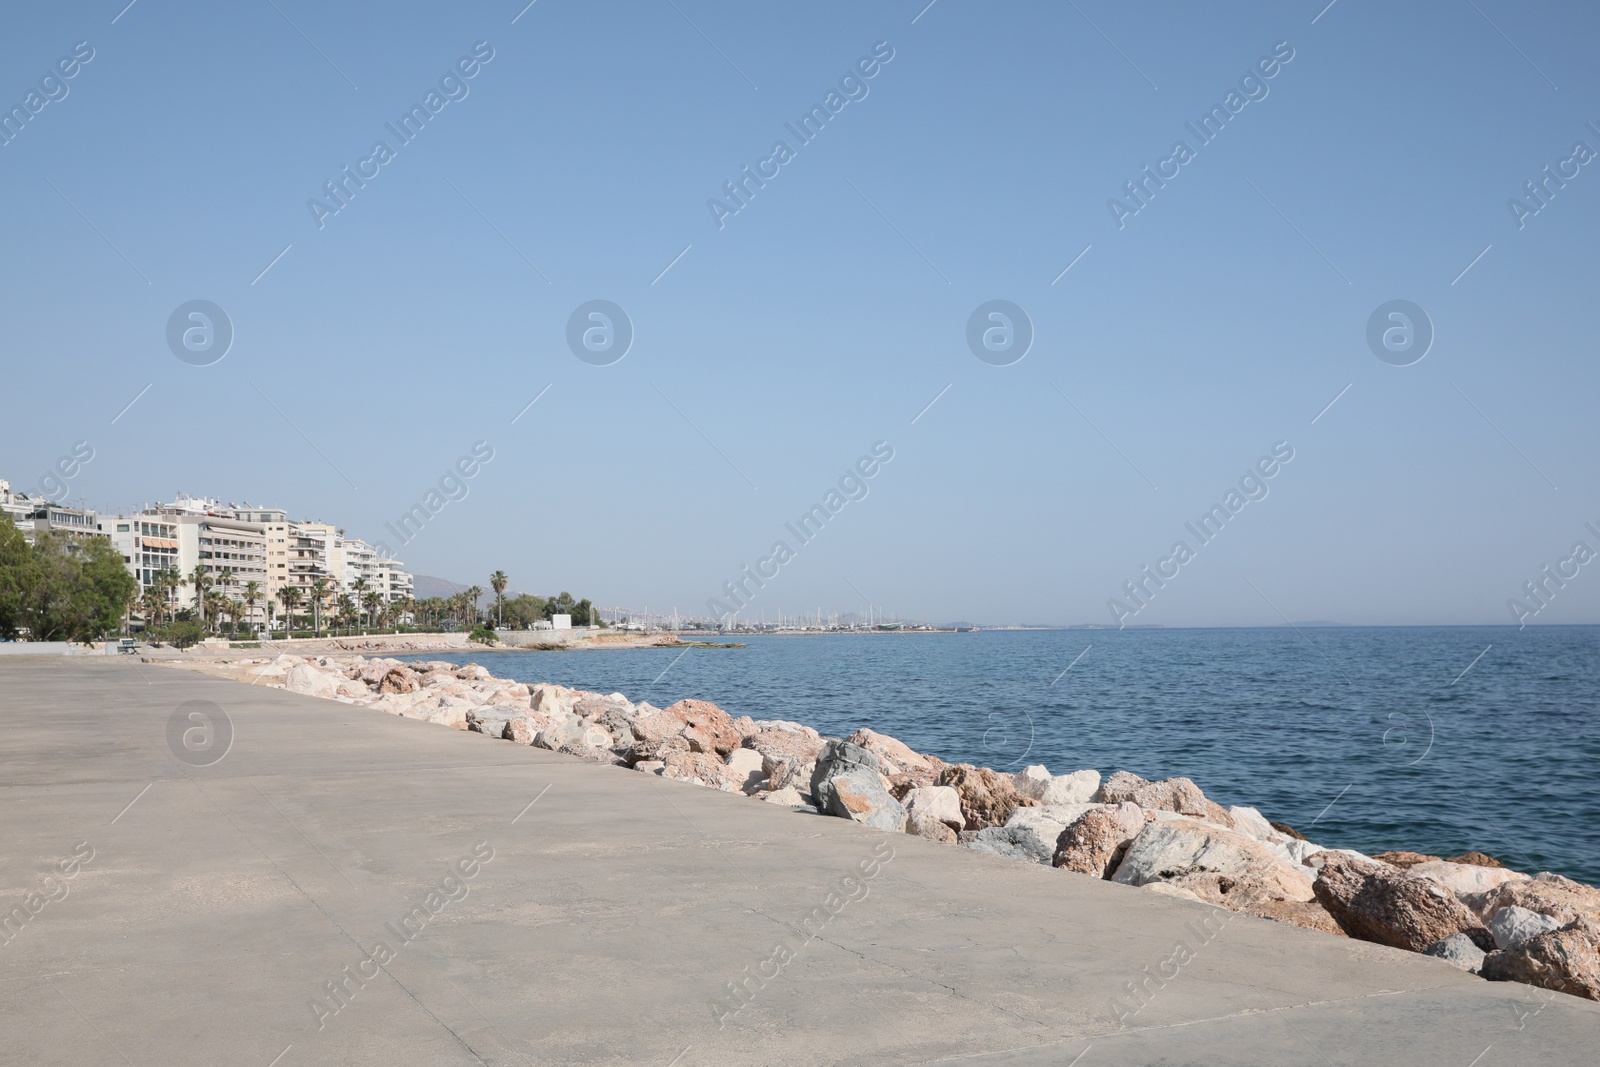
[(1438, 740)]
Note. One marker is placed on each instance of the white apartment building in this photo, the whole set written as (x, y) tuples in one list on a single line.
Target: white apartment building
[(393, 582), (148, 543)]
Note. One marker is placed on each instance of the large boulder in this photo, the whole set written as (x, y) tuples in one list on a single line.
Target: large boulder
[(549, 699), (745, 765), (1565, 960), (987, 797), (706, 727), (938, 802), (897, 758), (1221, 866), (700, 768), (1513, 925), (860, 795), (1095, 844), (924, 825), (1079, 787), (1463, 879), (1169, 794), (1038, 784), (835, 759), (1030, 833), (1376, 902), (779, 739), (1546, 893), (313, 682), (1018, 842)]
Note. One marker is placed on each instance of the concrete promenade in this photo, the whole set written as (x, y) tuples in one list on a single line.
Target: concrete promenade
[(233, 914)]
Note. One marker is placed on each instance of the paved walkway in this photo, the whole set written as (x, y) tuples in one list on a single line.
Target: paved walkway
[(343, 887)]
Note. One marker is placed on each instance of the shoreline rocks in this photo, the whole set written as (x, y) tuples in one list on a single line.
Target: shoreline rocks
[(1470, 911)]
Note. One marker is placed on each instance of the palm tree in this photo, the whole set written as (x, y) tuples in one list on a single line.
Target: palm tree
[(151, 606), (217, 605), (201, 582), (169, 580), (319, 592), (497, 582), (472, 594), (347, 611), (252, 593), (359, 588), (290, 596), (372, 600)]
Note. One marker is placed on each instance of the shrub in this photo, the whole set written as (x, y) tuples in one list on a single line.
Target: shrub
[(483, 635)]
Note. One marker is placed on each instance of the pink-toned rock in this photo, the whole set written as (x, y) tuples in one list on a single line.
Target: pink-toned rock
[(709, 770), (777, 738), (924, 825), (1095, 844), (896, 756), (399, 680), (1169, 794), (987, 797), (1377, 902), (705, 726), (1565, 960), (1548, 894)]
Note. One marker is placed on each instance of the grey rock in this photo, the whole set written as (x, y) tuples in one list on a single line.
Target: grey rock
[(837, 758), (1512, 925), (1017, 841), (858, 794), (1459, 950)]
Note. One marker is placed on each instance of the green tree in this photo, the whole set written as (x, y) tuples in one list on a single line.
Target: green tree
[(201, 582), (319, 591), (252, 593), (290, 597), (498, 582), (17, 576), (61, 589)]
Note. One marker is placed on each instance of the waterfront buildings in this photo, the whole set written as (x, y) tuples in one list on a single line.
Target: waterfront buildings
[(232, 546)]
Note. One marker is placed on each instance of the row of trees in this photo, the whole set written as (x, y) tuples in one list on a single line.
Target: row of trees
[(68, 589), (60, 588), (521, 612)]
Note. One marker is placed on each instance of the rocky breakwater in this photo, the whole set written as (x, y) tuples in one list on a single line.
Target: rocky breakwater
[(1165, 836)]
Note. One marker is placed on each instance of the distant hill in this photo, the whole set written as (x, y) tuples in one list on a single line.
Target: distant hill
[(424, 586)]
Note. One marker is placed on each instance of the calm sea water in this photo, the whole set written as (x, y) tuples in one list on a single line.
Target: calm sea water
[(1366, 738)]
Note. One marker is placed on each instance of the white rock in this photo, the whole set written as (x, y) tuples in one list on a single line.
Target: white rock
[(304, 678), (1032, 780), (1076, 788), (940, 802), (1252, 822), (746, 765), (1166, 849), (787, 795), (1513, 925), (1464, 879)]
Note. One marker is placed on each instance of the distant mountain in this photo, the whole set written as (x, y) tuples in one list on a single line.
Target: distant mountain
[(424, 586)]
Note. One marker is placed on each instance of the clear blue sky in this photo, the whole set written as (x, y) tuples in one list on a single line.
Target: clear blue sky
[(825, 315)]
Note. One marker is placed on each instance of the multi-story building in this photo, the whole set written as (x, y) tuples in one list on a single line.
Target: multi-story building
[(275, 523), (393, 582), (148, 543), (233, 545)]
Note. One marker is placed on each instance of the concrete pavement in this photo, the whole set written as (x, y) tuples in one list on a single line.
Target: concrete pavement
[(345, 887)]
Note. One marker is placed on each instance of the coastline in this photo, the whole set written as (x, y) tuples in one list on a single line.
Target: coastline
[(1166, 836)]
